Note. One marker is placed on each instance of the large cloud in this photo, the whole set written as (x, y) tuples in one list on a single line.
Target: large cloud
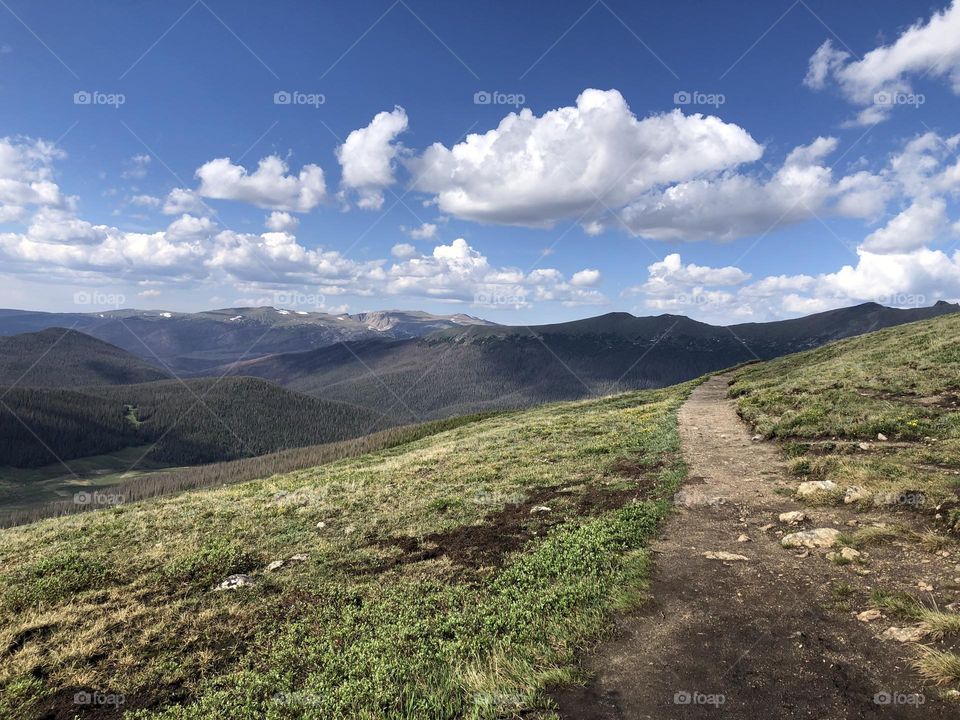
[(268, 187), (26, 177), (732, 205), (367, 157), (874, 82), (572, 161)]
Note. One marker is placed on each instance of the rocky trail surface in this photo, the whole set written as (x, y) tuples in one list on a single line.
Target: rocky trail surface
[(739, 626)]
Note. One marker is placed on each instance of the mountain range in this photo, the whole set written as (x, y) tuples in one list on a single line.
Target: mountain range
[(262, 379), (192, 343)]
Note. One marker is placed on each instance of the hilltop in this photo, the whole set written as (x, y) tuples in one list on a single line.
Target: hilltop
[(63, 358)]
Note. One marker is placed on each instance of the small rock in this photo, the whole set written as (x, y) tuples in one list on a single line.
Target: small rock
[(694, 498), (815, 487), (924, 586), (853, 523), (855, 494), (766, 528), (819, 538), (743, 538), (794, 517), (275, 565), (846, 554), (321, 525), (864, 446), (539, 509), (757, 438), (904, 634), (805, 553), (723, 555), (235, 581), (881, 437), (299, 557), (349, 530), (869, 615)]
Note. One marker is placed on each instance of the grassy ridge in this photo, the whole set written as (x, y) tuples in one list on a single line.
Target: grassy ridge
[(903, 383), (405, 606)]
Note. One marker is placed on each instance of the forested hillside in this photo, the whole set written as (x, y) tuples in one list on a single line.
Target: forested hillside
[(197, 421), (64, 358)]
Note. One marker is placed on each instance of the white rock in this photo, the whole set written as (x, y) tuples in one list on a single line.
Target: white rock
[(321, 525), (235, 581), (757, 438), (349, 530), (275, 565), (743, 538), (869, 615), (299, 557), (819, 538), (864, 446), (855, 494), (846, 554), (812, 488), (535, 510), (794, 517), (881, 437), (723, 555), (904, 634), (694, 498)]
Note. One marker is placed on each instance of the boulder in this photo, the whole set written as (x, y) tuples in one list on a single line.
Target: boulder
[(819, 538), (812, 488), (794, 517)]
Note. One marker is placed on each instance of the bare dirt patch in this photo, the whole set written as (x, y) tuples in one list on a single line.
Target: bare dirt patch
[(508, 530)]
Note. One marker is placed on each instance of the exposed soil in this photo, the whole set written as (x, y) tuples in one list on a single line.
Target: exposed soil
[(772, 636), (509, 529)]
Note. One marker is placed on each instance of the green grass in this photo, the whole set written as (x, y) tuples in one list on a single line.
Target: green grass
[(119, 600), (900, 382)]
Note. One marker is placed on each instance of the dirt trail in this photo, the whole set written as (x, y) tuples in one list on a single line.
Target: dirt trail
[(764, 633)]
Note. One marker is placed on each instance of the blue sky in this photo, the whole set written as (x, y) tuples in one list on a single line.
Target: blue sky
[(729, 163)]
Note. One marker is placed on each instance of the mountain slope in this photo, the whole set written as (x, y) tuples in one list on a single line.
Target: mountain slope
[(409, 580), (838, 402), (193, 342), (63, 358), (481, 368)]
